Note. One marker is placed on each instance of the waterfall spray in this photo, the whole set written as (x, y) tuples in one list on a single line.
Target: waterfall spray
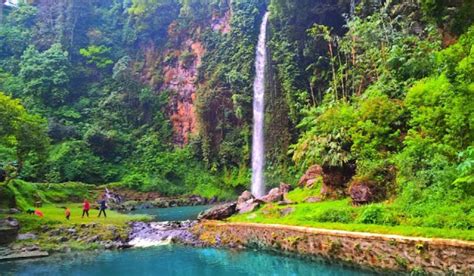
[(258, 141)]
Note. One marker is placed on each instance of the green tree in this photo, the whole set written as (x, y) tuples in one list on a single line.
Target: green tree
[(97, 56), (46, 75), (23, 132)]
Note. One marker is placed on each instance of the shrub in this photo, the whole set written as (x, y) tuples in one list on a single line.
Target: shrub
[(376, 214), (336, 215)]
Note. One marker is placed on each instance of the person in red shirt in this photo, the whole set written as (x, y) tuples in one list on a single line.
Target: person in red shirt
[(86, 206), (67, 213)]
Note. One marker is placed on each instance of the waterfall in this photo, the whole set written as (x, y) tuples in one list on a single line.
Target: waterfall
[(353, 6), (258, 141)]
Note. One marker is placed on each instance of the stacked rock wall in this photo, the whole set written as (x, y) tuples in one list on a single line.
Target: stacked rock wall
[(378, 251)]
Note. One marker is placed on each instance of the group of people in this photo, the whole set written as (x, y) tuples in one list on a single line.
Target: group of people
[(86, 206)]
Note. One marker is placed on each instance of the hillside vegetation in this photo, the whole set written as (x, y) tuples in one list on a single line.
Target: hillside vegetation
[(156, 95)]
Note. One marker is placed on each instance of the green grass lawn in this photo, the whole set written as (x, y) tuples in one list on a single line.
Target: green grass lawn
[(370, 228), (55, 197), (341, 215), (54, 214)]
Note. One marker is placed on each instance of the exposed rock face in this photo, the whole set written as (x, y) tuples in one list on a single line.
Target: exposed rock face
[(363, 191), (310, 177), (334, 179), (219, 212), (180, 65), (180, 77), (222, 23), (8, 230)]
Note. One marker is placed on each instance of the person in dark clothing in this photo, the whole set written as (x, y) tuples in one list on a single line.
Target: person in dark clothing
[(102, 207)]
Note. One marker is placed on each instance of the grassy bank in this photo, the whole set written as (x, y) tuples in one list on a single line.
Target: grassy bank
[(54, 215), (385, 218), (53, 232)]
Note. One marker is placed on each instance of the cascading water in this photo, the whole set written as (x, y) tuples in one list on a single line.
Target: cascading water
[(258, 142), (353, 5)]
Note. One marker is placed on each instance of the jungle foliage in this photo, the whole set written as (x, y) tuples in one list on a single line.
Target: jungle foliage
[(383, 87)]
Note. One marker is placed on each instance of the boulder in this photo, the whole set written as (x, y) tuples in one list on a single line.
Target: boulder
[(248, 206), (363, 191), (71, 231), (277, 194), (219, 212), (92, 239), (285, 188), (8, 230), (310, 177), (26, 236), (286, 211), (213, 200), (273, 196), (245, 196), (247, 203)]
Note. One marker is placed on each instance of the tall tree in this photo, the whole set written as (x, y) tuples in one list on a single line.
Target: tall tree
[(23, 132)]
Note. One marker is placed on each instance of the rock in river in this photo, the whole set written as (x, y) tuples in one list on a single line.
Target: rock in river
[(219, 212), (8, 230)]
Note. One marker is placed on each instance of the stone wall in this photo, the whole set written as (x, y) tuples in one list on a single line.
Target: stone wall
[(382, 252)]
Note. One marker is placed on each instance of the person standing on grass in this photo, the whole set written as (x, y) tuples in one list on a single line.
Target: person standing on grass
[(68, 213), (102, 207), (86, 206)]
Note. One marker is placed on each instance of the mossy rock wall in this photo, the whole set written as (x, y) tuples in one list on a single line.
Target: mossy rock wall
[(377, 251)]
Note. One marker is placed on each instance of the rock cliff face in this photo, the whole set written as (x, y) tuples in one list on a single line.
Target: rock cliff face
[(180, 80), (180, 70)]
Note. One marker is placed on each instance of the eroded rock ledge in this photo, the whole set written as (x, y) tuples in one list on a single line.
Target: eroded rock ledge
[(379, 251)]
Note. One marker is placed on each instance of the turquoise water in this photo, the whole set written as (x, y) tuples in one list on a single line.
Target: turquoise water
[(172, 260), (174, 213)]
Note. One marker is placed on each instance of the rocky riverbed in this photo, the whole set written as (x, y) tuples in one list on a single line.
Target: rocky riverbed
[(145, 234)]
